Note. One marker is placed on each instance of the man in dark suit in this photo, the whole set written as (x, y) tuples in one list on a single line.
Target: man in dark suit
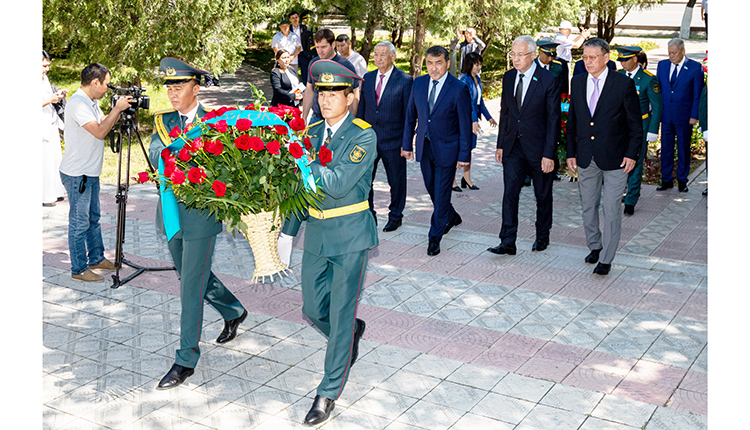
[(442, 104), (529, 125), (384, 95), (603, 140), (681, 83), (191, 234), (305, 39)]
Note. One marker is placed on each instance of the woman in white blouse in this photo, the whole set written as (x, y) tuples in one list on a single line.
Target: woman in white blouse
[(52, 187)]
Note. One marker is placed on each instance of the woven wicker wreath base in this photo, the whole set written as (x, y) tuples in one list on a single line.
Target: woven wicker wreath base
[(263, 238)]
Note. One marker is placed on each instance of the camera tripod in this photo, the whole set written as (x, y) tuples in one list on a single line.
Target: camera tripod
[(127, 125)]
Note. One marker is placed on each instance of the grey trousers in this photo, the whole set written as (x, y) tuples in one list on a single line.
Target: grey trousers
[(602, 187)]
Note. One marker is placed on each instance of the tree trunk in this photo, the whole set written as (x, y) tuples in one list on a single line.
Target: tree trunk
[(353, 38), (372, 23), (400, 40), (415, 64), (687, 17)]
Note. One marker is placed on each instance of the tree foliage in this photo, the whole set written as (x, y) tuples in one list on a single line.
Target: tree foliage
[(132, 36), (609, 13)]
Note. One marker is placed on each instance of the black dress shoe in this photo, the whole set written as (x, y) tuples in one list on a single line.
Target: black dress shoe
[(705, 192), (503, 249), (665, 186), (602, 269), (465, 184), (176, 376), (230, 329), (320, 411), (458, 189), (629, 210), (452, 223), (527, 181), (593, 256), (682, 187), (557, 177), (540, 245), (357, 336), (433, 248), (392, 225)]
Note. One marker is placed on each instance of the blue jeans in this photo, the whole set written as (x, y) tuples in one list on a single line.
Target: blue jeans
[(84, 231)]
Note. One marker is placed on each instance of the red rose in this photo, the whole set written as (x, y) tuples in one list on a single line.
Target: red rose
[(325, 155), (220, 188), (177, 177), (295, 150), (281, 129), (196, 175), (273, 147), (169, 166), (294, 111), (197, 145), (221, 111), (256, 144), (184, 154), (220, 126), (214, 147), (165, 154), (250, 107), (307, 143), (209, 115), (242, 142), (143, 177), (297, 124), (175, 132), (243, 124)]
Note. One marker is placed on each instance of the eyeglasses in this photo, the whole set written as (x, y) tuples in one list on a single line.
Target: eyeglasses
[(591, 57), (82, 187), (518, 54)]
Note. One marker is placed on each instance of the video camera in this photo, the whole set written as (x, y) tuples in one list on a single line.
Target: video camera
[(140, 100)]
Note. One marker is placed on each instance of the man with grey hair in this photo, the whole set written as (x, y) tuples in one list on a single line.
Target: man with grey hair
[(681, 82), (603, 141), (529, 121), (382, 104)]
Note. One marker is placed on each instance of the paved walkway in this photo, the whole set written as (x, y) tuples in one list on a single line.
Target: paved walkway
[(463, 340)]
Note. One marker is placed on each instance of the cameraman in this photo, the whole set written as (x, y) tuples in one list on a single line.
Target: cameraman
[(85, 129)]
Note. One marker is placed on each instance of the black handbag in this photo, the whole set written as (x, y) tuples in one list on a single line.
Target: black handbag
[(60, 105)]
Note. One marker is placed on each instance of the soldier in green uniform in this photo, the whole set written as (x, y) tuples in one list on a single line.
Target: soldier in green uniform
[(339, 235), (547, 59), (191, 234), (651, 105)]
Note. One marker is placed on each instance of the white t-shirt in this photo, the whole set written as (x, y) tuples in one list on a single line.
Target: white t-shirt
[(288, 43), (359, 63), (84, 153)]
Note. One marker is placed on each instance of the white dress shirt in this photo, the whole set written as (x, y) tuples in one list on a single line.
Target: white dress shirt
[(385, 80), (439, 87), (527, 76), (678, 66), (590, 85)]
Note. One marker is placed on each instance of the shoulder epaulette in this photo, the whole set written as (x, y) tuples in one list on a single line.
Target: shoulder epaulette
[(647, 72), (557, 62), (162, 112), (359, 122), (160, 128), (620, 70), (315, 123)]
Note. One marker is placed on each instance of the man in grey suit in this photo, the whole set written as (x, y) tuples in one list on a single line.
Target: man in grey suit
[(603, 141)]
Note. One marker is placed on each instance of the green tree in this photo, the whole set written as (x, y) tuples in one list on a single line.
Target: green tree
[(606, 12), (132, 36)]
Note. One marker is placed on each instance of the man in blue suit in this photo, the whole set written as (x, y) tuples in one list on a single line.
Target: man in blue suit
[(382, 104), (529, 121), (442, 104), (681, 83)]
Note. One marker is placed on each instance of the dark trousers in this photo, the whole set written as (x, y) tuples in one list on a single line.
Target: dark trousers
[(395, 171), (304, 67), (516, 165), (683, 133), (439, 183)]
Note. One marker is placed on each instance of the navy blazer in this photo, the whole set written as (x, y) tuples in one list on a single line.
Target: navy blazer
[(616, 129), (681, 101), (478, 108), (536, 125), (282, 88), (386, 118), (449, 123)]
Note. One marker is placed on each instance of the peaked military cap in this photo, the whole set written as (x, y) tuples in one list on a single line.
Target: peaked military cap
[(627, 52), (330, 75), (547, 46), (178, 72)]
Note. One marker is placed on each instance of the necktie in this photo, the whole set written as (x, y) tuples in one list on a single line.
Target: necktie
[(594, 96), (431, 101), (378, 89), (330, 136), (519, 91), (630, 75), (183, 122), (674, 76)]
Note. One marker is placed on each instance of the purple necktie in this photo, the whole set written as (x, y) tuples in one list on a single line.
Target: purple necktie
[(594, 96), (378, 89)]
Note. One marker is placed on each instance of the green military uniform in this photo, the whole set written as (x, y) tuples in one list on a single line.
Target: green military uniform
[(338, 237), (647, 87), (192, 246), (556, 67)]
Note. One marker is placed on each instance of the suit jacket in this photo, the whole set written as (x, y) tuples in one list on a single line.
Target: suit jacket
[(345, 181), (703, 109), (449, 123), (647, 88), (386, 118), (537, 124), (682, 99), (194, 224), (615, 131), (282, 88), (478, 108), (560, 72)]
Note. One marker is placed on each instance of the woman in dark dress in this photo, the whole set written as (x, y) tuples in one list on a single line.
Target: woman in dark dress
[(285, 83)]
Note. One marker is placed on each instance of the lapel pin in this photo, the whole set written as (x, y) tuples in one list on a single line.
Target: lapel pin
[(533, 78)]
